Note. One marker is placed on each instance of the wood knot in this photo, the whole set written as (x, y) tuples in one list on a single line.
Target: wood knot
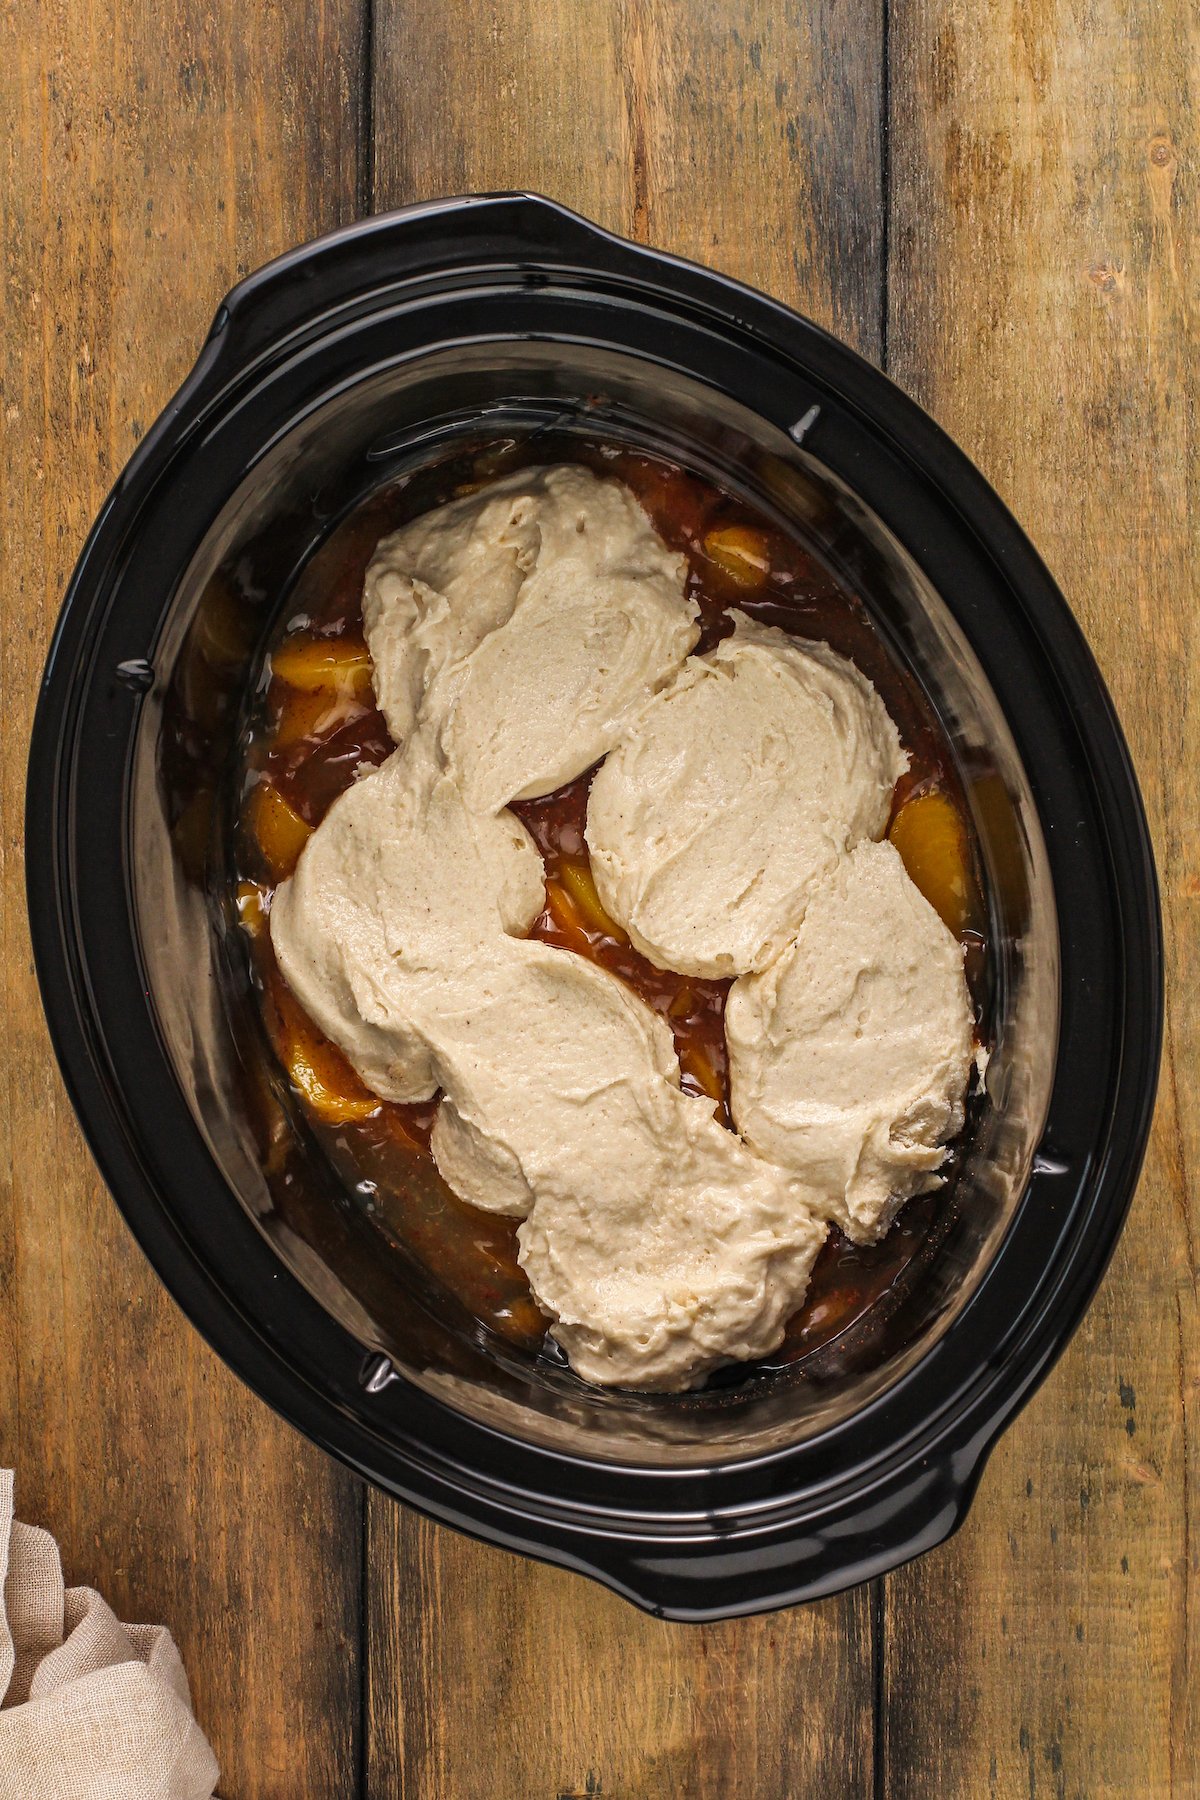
[(1162, 152), (1103, 276)]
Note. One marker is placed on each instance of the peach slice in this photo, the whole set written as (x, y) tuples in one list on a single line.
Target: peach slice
[(742, 555), (522, 1320), (694, 1061), (1000, 829), (683, 1003), (316, 665), (252, 907), (562, 910), (313, 716), (931, 838), (192, 831), (577, 878), (224, 627), (326, 1082), (401, 1133), (280, 831), (328, 1085)]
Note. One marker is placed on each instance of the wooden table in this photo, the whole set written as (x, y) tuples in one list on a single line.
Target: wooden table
[(998, 202)]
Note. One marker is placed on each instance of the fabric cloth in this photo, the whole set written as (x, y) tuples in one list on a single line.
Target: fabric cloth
[(90, 1709)]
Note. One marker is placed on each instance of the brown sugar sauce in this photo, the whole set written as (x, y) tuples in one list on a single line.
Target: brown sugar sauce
[(313, 724)]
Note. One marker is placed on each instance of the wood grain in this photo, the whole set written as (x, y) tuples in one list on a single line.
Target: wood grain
[(744, 133), (708, 129), (1043, 305), (153, 155), (1041, 299), (490, 1677)]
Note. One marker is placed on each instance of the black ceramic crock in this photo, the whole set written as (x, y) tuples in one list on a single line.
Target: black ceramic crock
[(335, 369)]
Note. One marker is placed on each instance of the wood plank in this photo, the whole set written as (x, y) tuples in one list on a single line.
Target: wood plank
[(1042, 304), (742, 133), (154, 155), (491, 1677), (707, 130)]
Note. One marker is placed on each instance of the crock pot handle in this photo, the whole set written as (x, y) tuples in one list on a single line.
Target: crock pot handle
[(298, 291)]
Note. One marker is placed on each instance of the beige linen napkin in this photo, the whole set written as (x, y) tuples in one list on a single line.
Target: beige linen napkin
[(90, 1709)]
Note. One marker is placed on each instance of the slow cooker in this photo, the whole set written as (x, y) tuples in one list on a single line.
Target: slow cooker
[(336, 369)]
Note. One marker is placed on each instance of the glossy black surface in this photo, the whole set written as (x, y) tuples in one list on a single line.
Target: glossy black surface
[(330, 371)]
